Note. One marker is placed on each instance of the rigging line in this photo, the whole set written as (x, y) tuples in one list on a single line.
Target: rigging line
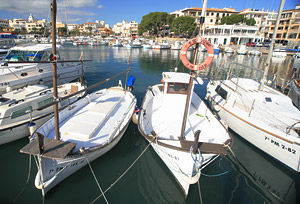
[(28, 177), (97, 181), (123, 172)]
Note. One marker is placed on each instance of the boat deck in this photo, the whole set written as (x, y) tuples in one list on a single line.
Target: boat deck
[(93, 124), (167, 119)]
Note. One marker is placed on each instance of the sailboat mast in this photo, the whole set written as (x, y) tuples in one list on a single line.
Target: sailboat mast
[(202, 18), (53, 7), (66, 19), (267, 64)]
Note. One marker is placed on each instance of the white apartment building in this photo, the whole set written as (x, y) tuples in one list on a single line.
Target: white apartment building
[(125, 29), (4, 23), (232, 34), (17, 24)]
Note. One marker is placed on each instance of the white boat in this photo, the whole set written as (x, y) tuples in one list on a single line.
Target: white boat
[(177, 45), (134, 44), (161, 122), (229, 50), (242, 50), (277, 53), (216, 49), (266, 118), (18, 108), (254, 52), (88, 129), (16, 73), (163, 45), (118, 43), (7, 41)]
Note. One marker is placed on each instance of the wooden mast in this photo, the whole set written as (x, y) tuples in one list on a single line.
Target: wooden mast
[(192, 74), (53, 8)]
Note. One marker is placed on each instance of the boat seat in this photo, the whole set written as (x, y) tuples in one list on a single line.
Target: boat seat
[(87, 122)]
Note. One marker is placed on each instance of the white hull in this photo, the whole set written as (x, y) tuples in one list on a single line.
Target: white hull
[(94, 124), (265, 135), (55, 171), (20, 131), (35, 76), (162, 112)]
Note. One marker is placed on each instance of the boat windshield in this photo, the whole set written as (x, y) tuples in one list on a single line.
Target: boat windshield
[(27, 56)]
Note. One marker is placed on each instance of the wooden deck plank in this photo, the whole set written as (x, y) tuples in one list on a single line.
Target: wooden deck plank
[(53, 149)]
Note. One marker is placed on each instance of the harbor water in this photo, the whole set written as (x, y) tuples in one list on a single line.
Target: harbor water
[(245, 176)]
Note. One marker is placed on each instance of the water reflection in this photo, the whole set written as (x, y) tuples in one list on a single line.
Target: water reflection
[(267, 177)]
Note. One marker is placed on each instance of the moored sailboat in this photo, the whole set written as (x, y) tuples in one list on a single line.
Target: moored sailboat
[(260, 114)]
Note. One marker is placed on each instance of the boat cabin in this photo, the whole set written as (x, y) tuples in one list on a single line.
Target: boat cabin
[(30, 53), (175, 83), (16, 105)]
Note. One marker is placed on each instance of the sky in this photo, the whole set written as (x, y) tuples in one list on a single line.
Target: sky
[(113, 11)]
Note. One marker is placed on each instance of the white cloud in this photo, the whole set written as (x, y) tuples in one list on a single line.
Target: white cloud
[(100, 6), (41, 8)]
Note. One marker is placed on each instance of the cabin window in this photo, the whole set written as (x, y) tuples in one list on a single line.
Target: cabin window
[(2, 99), (21, 112), (177, 88), (45, 102), (221, 92)]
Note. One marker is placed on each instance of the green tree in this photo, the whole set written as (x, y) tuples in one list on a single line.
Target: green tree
[(184, 25), (90, 29), (62, 31), (155, 22), (237, 19), (23, 30)]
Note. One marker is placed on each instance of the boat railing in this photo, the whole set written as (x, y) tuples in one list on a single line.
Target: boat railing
[(229, 70)]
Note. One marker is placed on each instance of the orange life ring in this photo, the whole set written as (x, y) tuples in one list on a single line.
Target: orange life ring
[(203, 65)]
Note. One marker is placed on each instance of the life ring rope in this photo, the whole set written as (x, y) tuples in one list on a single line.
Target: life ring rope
[(208, 60)]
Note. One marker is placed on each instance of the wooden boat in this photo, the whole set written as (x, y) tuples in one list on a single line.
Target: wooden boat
[(81, 133), (160, 122), (88, 129), (18, 108), (19, 69)]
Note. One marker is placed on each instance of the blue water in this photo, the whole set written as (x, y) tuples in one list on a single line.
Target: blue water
[(250, 177)]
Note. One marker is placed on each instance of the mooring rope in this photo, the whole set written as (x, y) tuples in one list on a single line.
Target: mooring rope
[(96, 180), (114, 183), (28, 177)]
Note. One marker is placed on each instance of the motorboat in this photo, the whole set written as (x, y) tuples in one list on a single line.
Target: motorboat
[(177, 45), (31, 64), (229, 50), (7, 41), (18, 108), (163, 45), (254, 52), (242, 50)]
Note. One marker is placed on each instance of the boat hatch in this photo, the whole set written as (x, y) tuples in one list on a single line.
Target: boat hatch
[(268, 99), (177, 88)]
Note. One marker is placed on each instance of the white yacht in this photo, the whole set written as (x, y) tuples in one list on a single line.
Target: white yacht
[(19, 69)]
